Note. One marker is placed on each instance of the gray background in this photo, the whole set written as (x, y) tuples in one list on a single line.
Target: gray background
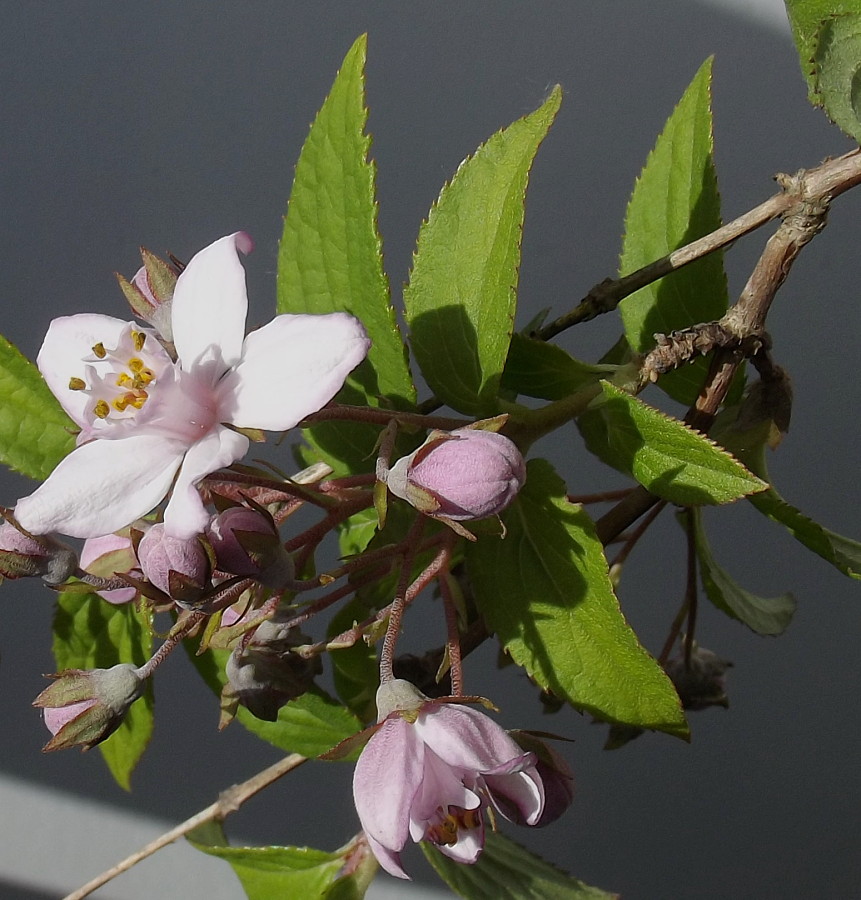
[(171, 124)]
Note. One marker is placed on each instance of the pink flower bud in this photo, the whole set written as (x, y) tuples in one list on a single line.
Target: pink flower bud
[(177, 566), (246, 542), (104, 556), (460, 475), (83, 707), (23, 556)]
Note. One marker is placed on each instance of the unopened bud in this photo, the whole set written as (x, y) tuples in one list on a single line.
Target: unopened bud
[(266, 673), (460, 475), (246, 543), (23, 556), (106, 556), (83, 707), (150, 293), (556, 776), (179, 567)]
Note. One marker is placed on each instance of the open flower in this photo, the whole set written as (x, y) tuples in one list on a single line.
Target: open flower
[(428, 772), (148, 422)]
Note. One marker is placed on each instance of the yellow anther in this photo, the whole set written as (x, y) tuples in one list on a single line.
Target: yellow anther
[(138, 338), (101, 410), (77, 384), (135, 364), (124, 380), (99, 350)]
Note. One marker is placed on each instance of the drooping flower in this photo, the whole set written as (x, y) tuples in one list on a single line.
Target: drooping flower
[(429, 771), (148, 422), (460, 475)]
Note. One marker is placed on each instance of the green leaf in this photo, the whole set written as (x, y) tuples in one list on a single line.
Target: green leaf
[(545, 591), (673, 461), (842, 552), (35, 433), (538, 369), (276, 873), (676, 201), (330, 259), (806, 17), (310, 724), (838, 72), (764, 615), (507, 871), (355, 670), (90, 633), (461, 299)]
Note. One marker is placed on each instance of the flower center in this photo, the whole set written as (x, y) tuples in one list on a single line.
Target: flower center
[(118, 380), (444, 831)]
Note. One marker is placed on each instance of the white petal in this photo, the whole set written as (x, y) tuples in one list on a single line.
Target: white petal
[(185, 515), (209, 307), (290, 368), (102, 486), (69, 340)]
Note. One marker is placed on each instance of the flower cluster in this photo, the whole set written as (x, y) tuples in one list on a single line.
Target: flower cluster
[(151, 424)]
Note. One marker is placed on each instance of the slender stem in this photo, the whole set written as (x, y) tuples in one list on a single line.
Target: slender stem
[(691, 587), (600, 497), (455, 658), (393, 630), (641, 529), (181, 630), (382, 417), (826, 181), (229, 801)]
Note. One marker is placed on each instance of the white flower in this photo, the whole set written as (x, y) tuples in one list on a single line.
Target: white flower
[(148, 422)]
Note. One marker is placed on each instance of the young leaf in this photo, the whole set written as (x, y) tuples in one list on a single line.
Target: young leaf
[(310, 724), (275, 873), (90, 633), (35, 433), (330, 258), (843, 553), (545, 591), (507, 871), (838, 70), (764, 615), (461, 299), (538, 369), (675, 201), (806, 17), (673, 461)]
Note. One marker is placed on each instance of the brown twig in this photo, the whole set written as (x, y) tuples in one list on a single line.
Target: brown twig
[(820, 184), (228, 801)]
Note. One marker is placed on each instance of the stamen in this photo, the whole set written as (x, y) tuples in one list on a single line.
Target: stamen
[(138, 338), (99, 350), (77, 384), (101, 410)]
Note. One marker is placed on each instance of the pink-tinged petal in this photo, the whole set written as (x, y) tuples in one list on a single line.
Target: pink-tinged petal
[(466, 738), (210, 304), (70, 340), (96, 547), (388, 859), (185, 515), (518, 796), (102, 486), (385, 780), (56, 717), (290, 368), (442, 786), (468, 847)]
